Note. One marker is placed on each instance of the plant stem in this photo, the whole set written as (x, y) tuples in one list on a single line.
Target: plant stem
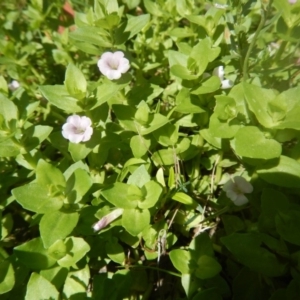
[(260, 26), (154, 268)]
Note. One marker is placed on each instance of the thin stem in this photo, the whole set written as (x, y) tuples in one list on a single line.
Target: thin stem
[(260, 26), (154, 268)]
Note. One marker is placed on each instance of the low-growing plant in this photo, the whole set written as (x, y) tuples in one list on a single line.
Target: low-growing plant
[(150, 149)]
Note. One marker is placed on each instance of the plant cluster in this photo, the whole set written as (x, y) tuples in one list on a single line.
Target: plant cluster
[(150, 149)]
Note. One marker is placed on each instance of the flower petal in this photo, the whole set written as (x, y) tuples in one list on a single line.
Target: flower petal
[(75, 138), (232, 195), (112, 65), (243, 185), (85, 122), (77, 129), (240, 200), (87, 134), (219, 71), (74, 120), (229, 185), (226, 84), (124, 65)]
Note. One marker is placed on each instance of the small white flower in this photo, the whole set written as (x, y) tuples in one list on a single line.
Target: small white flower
[(236, 188), (292, 1), (225, 83), (112, 65), (14, 85), (77, 129), (219, 71), (106, 220)]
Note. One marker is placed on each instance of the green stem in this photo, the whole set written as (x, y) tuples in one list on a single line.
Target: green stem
[(280, 50), (220, 212), (154, 268), (260, 26)]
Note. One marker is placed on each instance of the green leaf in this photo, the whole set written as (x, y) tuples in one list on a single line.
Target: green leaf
[(105, 92), (225, 108), (40, 288), (152, 190), (203, 53), (76, 284), (201, 245), (115, 252), (6, 223), (139, 177), (8, 110), (56, 275), (135, 220), (258, 99), (47, 175), (33, 255), (232, 224), (57, 225), (207, 267), (287, 225), (182, 261), (179, 32), (8, 148), (177, 58), (91, 35), (157, 121), (210, 138), (139, 145), (210, 85), (273, 201), (57, 250), (223, 129), (78, 185), (117, 194), (3, 86), (210, 294), (76, 250), (167, 135), (246, 247), (153, 8), (58, 96), (182, 72), (136, 24), (37, 198), (7, 277), (125, 115), (284, 172), (187, 103), (35, 135), (75, 82), (183, 198), (287, 109), (164, 157), (251, 142)]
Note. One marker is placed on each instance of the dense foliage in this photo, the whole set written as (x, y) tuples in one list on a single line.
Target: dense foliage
[(174, 177)]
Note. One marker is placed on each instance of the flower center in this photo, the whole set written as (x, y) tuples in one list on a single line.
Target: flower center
[(113, 64), (237, 190), (79, 130)]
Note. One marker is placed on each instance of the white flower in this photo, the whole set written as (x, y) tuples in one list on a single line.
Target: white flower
[(14, 85), (77, 129), (112, 65), (106, 220), (225, 83), (292, 1), (236, 188)]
